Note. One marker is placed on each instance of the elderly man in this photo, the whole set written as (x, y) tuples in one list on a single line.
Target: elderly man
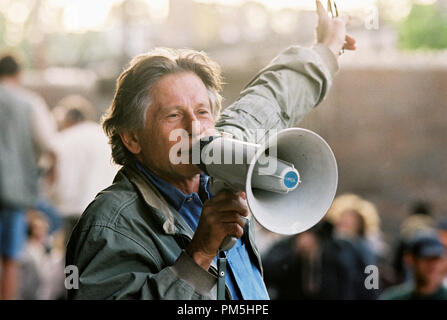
[(155, 233)]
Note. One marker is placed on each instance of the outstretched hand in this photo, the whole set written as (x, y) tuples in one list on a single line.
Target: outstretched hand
[(332, 31)]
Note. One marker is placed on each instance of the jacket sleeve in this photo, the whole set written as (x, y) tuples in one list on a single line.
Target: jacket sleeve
[(114, 266), (282, 93)]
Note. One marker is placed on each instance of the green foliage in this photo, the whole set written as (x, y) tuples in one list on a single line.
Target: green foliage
[(425, 28)]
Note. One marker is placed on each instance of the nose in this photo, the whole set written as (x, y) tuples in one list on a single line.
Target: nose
[(192, 125)]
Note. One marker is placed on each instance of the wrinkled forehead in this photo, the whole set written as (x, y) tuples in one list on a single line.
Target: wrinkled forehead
[(184, 89)]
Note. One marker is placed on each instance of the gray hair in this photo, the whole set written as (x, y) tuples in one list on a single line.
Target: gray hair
[(133, 91)]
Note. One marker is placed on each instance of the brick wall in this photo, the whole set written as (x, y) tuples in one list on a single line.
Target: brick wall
[(388, 130)]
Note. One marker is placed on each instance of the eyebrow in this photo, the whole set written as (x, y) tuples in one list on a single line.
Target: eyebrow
[(201, 105), (178, 107)]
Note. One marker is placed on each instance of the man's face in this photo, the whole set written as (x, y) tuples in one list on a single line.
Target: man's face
[(428, 270), (349, 223), (178, 101)]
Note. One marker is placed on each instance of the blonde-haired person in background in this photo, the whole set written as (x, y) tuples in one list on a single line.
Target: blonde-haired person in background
[(358, 219), (328, 261)]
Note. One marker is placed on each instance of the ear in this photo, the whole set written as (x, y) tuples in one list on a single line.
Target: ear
[(131, 141)]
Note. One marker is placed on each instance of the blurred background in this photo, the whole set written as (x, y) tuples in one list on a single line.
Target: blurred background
[(384, 118)]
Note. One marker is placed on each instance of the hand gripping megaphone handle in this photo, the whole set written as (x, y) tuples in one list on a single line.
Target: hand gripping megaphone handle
[(217, 186)]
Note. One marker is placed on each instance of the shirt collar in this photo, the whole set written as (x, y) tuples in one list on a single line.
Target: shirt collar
[(172, 194)]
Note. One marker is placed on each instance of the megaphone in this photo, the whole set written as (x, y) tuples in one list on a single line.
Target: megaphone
[(290, 181)]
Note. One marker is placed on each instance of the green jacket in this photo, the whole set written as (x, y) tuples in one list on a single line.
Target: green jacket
[(406, 291), (129, 242)]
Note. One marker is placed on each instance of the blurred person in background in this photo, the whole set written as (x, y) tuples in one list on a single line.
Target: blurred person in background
[(312, 265), (18, 175), (357, 221), (420, 219), (42, 266), (329, 260), (442, 229), (43, 124), (43, 130), (83, 159), (426, 255)]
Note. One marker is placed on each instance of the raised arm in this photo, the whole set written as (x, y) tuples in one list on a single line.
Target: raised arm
[(297, 80)]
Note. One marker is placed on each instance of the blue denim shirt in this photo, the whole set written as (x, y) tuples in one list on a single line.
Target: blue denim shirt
[(243, 277)]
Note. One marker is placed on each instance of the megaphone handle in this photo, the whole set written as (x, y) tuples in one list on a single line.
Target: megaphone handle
[(221, 271), (217, 186), (227, 243)]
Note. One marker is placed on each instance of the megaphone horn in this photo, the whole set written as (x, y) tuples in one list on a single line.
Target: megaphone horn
[(290, 181)]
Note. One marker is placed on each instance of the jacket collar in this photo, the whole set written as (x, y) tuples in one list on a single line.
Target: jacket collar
[(170, 220)]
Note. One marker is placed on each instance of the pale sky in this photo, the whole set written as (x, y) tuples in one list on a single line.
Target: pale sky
[(302, 4), (83, 15)]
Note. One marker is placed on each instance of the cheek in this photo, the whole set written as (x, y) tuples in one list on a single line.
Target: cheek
[(429, 267), (165, 143), (439, 266), (207, 127), (154, 141)]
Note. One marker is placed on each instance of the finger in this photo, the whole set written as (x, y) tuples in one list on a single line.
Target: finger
[(224, 194), (350, 40), (350, 43), (232, 217), (234, 230), (349, 47), (223, 197), (239, 205), (322, 13), (242, 194)]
